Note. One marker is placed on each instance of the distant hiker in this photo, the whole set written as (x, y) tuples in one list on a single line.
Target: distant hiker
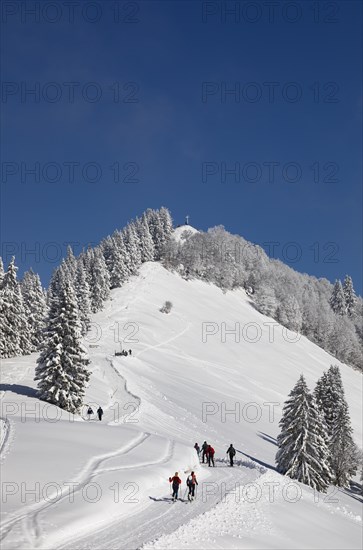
[(89, 412), (210, 455), (191, 482), (100, 413), (204, 450), (197, 448), (175, 481), (130, 351), (231, 451)]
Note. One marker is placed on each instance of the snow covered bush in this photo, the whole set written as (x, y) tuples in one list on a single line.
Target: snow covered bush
[(166, 308)]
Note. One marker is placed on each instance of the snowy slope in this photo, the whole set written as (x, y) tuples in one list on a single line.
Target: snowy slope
[(175, 389)]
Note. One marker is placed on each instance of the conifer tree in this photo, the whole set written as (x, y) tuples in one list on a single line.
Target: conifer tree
[(349, 295), (133, 247), (158, 226), (70, 263), (145, 239), (329, 395), (119, 240), (100, 280), (61, 371), (166, 222), (114, 261), (337, 299), (83, 297), (331, 401), (303, 454), (35, 306), (14, 326), (344, 459)]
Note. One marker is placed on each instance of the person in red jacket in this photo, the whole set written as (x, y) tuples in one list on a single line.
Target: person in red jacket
[(175, 481), (210, 455)]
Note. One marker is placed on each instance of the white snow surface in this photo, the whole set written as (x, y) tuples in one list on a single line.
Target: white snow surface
[(183, 232), (71, 483)]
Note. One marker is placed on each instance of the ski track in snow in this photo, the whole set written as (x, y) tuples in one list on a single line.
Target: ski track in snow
[(29, 515), (4, 433), (160, 515)]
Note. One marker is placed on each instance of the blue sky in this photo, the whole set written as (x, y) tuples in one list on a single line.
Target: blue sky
[(149, 100)]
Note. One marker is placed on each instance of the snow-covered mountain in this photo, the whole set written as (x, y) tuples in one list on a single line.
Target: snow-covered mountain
[(213, 369)]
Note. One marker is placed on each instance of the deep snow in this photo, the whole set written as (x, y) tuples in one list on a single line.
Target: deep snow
[(179, 386)]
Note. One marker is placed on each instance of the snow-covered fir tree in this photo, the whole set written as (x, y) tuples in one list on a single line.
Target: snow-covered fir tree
[(100, 280), (70, 263), (302, 451), (133, 247), (344, 455), (61, 371), (145, 239), (83, 297), (337, 299), (160, 227), (14, 336), (331, 401), (349, 295), (114, 262), (329, 395), (35, 306), (166, 222), (59, 276)]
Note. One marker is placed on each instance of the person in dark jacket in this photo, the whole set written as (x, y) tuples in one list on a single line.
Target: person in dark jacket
[(100, 412), (191, 482), (89, 412), (175, 481), (210, 455), (197, 448), (231, 451), (204, 451)]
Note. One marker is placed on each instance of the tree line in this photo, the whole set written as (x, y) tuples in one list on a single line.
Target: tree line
[(328, 315), (54, 322)]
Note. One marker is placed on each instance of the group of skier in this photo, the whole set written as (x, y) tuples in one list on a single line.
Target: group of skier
[(99, 412), (208, 453), (191, 482), (126, 353)]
